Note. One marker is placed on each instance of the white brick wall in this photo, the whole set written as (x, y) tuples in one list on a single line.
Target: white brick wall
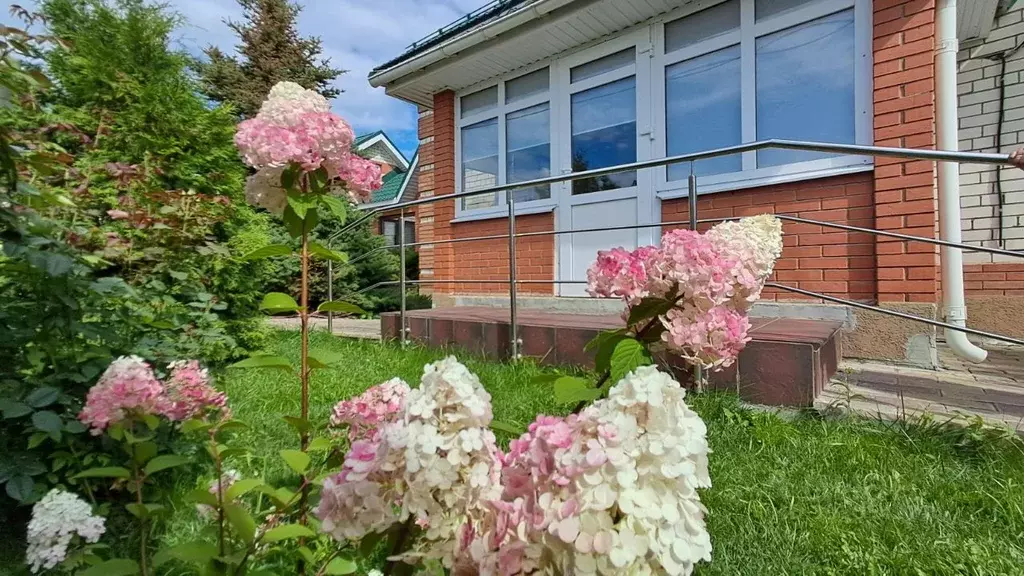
[(978, 87)]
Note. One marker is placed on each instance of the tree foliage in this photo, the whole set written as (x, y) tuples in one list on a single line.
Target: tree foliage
[(271, 50)]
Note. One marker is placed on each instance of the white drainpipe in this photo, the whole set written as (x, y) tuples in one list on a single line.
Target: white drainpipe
[(951, 259)]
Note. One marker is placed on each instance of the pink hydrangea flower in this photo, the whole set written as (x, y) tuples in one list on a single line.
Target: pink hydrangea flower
[(296, 126), (367, 413), (711, 338), (127, 387), (189, 393), (620, 273)]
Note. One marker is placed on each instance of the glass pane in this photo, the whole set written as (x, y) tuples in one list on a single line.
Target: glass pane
[(480, 163), (805, 86), (702, 25), (390, 231), (526, 86), (702, 111), (602, 65), (481, 101), (768, 8), (528, 150), (604, 134)]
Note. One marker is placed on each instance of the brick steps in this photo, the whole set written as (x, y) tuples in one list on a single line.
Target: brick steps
[(788, 362)]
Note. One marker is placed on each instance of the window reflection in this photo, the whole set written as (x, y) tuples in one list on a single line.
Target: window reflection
[(528, 150), (604, 134)]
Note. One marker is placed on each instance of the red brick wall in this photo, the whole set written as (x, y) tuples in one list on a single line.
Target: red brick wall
[(831, 261), (994, 280), (488, 259), (905, 194)]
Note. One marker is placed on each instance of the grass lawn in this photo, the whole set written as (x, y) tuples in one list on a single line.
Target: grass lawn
[(796, 495)]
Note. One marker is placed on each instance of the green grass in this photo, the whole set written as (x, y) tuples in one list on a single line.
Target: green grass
[(791, 495)]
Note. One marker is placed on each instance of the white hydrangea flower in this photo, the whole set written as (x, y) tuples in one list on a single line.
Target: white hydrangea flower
[(56, 519), (264, 189), (287, 101)]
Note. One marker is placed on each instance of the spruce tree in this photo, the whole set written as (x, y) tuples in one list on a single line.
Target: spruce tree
[(270, 51)]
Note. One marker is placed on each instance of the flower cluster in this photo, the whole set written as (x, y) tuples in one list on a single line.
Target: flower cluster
[(612, 490), (56, 519), (296, 126), (366, 414), (128, 388), (712, 279), (435, 464), (189, 393), (227, 479)]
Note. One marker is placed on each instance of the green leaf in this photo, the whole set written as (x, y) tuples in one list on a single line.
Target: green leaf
[(307, 555), (369, 543), (42, 396), (241, 521), (292, 222), (264, 361), (312, 219), (278, 302), (290, 177), (326, 253), (115, 567), (297, 460), (142, 511), (74, 427), (287, 532), (164, 462), (319, 444), (325, 359), (300, 202), (649, 307), (336, 206), (301, 426), (232, 425), (341, 566), (595, 344), (47, 421), (37, 439), (571, 389), (340, 307), (603, 358), (20, 487), (267, 252), (195, 425), (198, 553), (14, 409), (105, 472), (628, 355), (202, 496), (241, 487), (144, 452), (507, 428)]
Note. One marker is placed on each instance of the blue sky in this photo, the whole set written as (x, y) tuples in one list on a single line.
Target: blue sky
[(357, 35)]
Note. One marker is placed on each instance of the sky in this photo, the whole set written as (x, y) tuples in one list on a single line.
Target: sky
[(357, 35)]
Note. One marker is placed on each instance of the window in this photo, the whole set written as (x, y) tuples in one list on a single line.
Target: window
[(505, 137), (604, 134), (389, 230), (747, 70)]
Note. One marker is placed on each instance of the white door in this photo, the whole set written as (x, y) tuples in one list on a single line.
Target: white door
[(605, 124)]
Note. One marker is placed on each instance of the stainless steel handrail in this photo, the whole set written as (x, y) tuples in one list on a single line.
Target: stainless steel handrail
[(512, 235)]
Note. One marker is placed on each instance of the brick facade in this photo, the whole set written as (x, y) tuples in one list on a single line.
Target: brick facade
[(897, 195), (826, 260)]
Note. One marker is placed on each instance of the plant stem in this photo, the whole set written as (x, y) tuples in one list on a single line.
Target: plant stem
[(218, 469), (403, 534), (639, 335), (304, 363), (142, 509)]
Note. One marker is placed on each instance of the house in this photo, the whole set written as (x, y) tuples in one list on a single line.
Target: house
[(399, 177), (521, 89)]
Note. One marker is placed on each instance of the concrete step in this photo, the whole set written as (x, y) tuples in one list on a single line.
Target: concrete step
[(787, 363)]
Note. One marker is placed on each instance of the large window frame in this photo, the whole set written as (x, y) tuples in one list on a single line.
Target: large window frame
[(653, 114), (501, 112)]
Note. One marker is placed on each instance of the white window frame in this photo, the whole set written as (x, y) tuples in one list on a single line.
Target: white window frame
[(746, 37), (653, 93), (501, 112)]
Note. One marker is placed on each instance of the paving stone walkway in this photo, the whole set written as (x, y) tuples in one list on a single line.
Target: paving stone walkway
[(350, 327), (993, 390)]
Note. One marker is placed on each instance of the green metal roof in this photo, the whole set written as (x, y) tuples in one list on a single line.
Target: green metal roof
[(360, 139), (389, 190)]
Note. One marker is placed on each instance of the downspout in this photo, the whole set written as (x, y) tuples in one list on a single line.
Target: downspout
[(954, 308)]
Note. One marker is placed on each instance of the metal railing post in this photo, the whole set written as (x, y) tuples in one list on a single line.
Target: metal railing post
[(513, 328), (692, 199), (698, 372), (330, 295), (401, 276)]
